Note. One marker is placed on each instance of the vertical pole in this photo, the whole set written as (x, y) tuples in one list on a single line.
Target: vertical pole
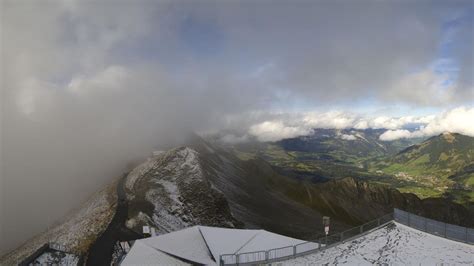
[(237, 259), (294, 251), (342, 236), (467, 239), (266, 255), (361, 229), (426, 227), (378, 222), (408, 219), (445, 230)]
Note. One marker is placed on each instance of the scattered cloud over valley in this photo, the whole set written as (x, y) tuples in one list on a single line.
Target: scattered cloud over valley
[(283, 126)]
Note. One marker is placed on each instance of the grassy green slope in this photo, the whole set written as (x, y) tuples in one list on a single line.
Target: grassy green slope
[(441, 166), (437, 166)]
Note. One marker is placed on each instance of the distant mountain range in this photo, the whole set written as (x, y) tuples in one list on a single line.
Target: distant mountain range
[(346, 144), (441, 166), (326, 153)]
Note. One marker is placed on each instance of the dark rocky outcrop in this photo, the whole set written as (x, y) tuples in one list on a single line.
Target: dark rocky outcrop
[(170, 192)]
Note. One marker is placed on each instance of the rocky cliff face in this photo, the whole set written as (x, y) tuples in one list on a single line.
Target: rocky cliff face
[(247, 185), (356, 201)]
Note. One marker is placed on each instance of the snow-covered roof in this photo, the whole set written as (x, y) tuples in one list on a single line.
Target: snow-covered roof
[(142, 254), (202, 245), (187, 244), (394, 244)]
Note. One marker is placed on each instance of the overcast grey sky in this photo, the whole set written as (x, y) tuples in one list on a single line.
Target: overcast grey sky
[(90, 86)]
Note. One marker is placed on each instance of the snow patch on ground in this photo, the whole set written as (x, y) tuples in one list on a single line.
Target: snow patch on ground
[(361, 137), (57, 258), (394, 244), (140, 218), (171, 190), (380, 145), (170, 172), (347, 137), (138, 172)]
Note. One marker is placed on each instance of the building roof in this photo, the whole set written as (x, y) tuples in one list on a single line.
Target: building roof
[(202, 245), (142, 254), (395, 244)]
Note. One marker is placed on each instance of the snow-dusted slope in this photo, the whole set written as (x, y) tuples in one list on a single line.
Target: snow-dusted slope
[(394, 244), (77, 232), (170, 192), (57, 258)]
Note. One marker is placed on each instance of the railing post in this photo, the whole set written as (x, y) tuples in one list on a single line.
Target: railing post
[(237, 259), (266, 255), (467, 236), (294, 251), (378, 222), (342, 236), (361, 229), (426, 227), (445, 230), (408, 219)]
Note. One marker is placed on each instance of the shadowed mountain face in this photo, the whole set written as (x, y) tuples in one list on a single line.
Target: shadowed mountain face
[(205, 185), (208, 185), (254, 200), (355, 201), (348, 200)]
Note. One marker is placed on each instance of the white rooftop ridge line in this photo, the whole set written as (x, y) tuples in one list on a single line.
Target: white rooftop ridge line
[(246, 243), (205, 242)]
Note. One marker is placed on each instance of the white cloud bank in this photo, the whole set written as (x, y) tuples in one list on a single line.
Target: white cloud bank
[(458, 120), (277, 130), (282, 126)]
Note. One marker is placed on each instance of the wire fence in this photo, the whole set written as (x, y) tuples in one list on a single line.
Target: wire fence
[(450, 231), (278, 254)]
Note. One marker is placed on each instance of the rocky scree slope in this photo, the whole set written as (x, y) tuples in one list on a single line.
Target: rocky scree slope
[(170, 192)]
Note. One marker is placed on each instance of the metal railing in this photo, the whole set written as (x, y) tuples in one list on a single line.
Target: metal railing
[(450, 231), (278, 254)]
